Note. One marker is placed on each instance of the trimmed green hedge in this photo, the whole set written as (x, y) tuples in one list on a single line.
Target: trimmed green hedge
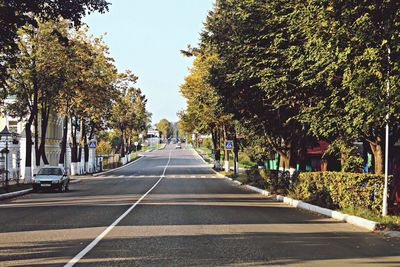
[(339, 190), (272, 180)]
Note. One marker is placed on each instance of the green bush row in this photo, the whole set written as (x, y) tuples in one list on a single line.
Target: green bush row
[(340, 190), (334, 190), (280, 182)]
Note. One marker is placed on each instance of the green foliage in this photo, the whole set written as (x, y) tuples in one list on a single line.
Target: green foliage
[(294, 72), (280, 182), (104, 148), (207, 142), (165, 127), (340, 190), (353, 164), (16, 14)]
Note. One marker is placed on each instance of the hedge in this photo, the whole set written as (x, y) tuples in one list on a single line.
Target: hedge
[(272, 180), (338, 190)]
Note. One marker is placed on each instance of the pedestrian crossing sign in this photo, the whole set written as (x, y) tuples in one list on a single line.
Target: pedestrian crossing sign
[(92, 144), (228, 145)]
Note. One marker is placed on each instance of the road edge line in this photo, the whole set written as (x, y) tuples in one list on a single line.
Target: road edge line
[(92, 244)]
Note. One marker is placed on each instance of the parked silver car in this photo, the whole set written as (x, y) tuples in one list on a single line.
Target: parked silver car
[(51, 178)]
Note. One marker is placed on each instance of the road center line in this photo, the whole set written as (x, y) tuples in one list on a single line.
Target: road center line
[(89, 247)]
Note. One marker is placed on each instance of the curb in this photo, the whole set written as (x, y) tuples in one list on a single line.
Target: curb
[(15, 194), (126, 165), (202, 159), (351, 219)]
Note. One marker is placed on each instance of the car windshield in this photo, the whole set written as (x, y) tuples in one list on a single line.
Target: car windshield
[(50, 171)]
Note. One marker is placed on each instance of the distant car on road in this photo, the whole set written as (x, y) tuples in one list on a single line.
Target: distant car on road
[(178, 146), (51, 178)]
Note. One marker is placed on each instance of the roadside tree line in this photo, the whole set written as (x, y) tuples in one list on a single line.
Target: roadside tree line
[(58, 69), (286, 74)]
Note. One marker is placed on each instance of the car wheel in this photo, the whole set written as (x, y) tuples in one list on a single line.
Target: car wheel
[(62, 188)]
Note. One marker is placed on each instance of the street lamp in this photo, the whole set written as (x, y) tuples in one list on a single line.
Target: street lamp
[(5, 133)]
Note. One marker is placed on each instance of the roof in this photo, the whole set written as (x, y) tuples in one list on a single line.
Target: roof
[(318, 150)]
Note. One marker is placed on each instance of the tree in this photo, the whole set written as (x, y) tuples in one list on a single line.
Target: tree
[(35, 81), (349, 47), (257, 44), (204, 112), (129, 115), (164, 126), (16, 14)]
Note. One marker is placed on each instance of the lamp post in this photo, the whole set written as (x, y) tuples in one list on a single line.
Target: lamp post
[(5, 133)]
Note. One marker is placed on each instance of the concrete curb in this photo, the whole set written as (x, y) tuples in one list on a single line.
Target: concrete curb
[(15, 194), (126, 165), (258, 190), (202, 159), (355, 220)]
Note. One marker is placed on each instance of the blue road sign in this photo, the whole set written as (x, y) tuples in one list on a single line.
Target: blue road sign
[(228, 145), (92, 144)]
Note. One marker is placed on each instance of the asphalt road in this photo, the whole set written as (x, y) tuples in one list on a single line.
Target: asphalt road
[(190, 218)]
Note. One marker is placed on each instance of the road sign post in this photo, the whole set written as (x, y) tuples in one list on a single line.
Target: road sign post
[(228, 148), (136, 145), (229, 145)]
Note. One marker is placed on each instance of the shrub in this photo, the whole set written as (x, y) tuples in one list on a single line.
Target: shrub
[(272, 180), (207, 142), (340, 189)]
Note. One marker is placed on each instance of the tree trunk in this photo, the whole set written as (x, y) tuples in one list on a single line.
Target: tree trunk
[(376, 148), (82, 137), (28, 154), (74, 149), (45, 111), (86, 149), (37, 152), (64, 142), (284, 159), (288, 160), (122, 149), (236, 153), (216, 146)]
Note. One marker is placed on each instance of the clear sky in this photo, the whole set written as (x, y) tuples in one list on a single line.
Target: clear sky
[(146, 36)]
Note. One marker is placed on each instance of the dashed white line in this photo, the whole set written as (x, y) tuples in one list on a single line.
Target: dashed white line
[(89, 247)]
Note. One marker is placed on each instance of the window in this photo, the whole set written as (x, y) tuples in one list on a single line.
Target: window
[(13, 126), (50, 171)]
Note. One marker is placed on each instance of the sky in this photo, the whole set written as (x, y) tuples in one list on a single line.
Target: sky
[(146, 36)]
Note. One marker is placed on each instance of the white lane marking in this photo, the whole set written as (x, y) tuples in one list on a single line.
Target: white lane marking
[(192, 176), (203, 176), (89, 247)]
